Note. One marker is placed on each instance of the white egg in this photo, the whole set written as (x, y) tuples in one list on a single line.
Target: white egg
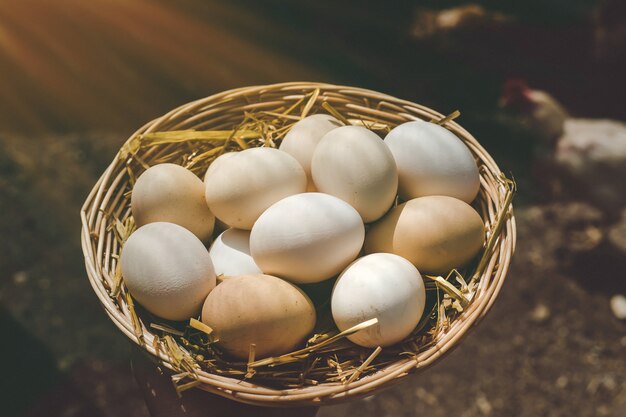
[(354, 164), (303, 137), (246, 183), (382, 286), (307, 238), (432, 160), (230, 253), (217, 161), (171, 193), (167, 270)]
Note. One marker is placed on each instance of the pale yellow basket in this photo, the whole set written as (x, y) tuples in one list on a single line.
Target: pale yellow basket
[(109, 200)]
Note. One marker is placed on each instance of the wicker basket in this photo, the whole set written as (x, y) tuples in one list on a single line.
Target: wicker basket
[(109, 200)]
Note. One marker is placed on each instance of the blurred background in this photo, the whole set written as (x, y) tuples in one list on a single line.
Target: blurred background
[(540, 83)]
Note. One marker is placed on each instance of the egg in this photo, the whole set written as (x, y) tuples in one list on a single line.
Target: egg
[(171, 193), (307, 237), (216, 163), (271, 313), (230, 253), (354, 164), (244, 185), (382, 286), (167, 270), (435, 233), (303, 137), (432, 160)]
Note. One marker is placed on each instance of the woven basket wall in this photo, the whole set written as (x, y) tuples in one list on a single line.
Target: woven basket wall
[(109, 199)]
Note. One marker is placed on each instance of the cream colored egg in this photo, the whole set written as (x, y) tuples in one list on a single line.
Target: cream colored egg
[(435, 233), (244, 185), (303, 137), (230, 253), (171, 193), (216, 163), (167, 270), (383, 286), (432, 160), (271, 313), (307, 238), (354, 164)]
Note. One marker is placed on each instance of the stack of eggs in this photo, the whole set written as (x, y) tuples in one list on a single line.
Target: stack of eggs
[(322, 206)]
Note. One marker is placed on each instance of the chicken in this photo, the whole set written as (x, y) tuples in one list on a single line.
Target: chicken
[(584, 159), (537, 110)]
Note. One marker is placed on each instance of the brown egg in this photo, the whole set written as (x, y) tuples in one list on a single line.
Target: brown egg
[(173, 194), (268, 311), (435, 233)]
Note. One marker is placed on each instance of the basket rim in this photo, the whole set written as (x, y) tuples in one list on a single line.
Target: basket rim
[(244, 391)]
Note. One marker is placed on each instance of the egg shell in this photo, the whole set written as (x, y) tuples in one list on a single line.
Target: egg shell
[(354, 164), (230, 253), (435, 233), (303, 137), (216, 163), (307, 237), (167, 270), (382, 286), (272, 313), (245, 184), (173, 194), (432, 160)]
